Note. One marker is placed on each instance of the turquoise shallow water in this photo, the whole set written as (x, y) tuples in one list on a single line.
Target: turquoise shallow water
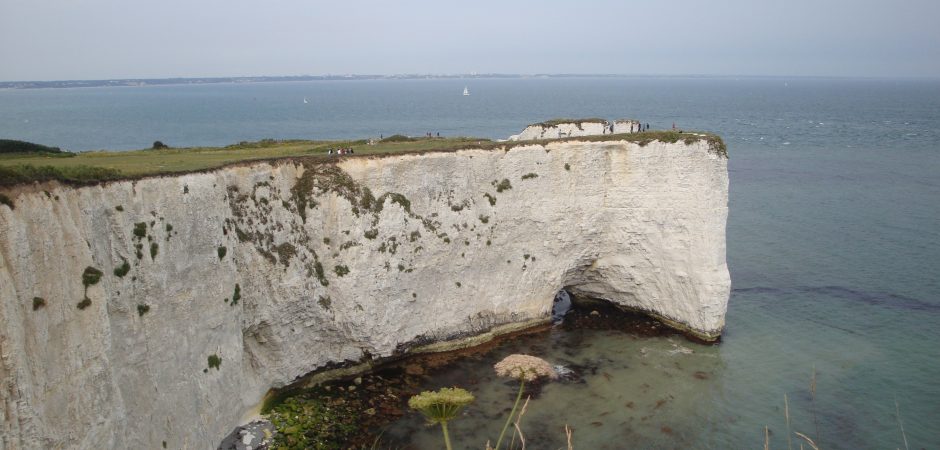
[(833, 240)]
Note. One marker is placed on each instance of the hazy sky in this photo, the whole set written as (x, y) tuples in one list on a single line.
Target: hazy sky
[(96, 39)]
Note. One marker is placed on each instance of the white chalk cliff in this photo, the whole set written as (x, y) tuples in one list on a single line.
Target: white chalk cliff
[(586, 127), (326, 263)]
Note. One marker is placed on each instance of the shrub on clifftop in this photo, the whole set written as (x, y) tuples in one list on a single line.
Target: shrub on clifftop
[(398, 138), (13, 146)]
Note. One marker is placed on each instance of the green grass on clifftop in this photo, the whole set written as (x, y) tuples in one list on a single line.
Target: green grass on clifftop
[(99, 166)]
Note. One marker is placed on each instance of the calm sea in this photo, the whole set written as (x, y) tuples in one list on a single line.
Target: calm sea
[(833, 241)]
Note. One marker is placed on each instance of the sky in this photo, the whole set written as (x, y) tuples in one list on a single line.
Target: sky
[(108, 39)]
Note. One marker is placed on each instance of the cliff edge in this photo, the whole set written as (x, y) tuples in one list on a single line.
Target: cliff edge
[(158, 311)]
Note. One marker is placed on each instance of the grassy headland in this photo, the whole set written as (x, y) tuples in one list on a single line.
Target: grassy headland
[(92, 167)]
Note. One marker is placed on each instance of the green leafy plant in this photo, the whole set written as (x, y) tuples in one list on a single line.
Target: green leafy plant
[(567, 166), (140, 229), (154, 248), (86, 302), (91, 276), (221, 251), (312, 423), (341, 270), (441, 407), (123, 269), (142, 309), (503, 185), (215, 361), (490, 198), (38, 302), (530, 176), (237, 295)]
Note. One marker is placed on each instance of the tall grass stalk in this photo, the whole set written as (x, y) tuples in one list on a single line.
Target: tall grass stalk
[(807, 439), (786, 413), (511, 413), (897, 411), (517, 424), (812, 392)]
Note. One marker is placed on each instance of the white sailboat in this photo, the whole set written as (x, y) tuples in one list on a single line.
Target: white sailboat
[(305, 100), (466, 91)]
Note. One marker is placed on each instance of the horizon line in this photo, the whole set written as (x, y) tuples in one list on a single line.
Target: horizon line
[(352, 77)]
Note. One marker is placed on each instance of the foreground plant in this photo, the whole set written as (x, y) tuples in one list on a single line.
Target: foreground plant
[(523, 368), (441, 406)]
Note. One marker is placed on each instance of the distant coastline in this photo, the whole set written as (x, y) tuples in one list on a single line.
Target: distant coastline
[(258, 79), (132, 82)]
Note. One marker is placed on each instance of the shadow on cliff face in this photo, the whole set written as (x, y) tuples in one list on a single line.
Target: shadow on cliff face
[(370, 403)]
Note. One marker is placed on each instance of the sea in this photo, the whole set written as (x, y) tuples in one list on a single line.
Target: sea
[(833, 245)]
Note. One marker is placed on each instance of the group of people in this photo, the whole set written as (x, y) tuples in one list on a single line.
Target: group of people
[(341, 151)]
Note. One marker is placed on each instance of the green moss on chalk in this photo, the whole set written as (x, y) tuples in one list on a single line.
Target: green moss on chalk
[(140, 229), (91, 276), (123, 269), (237, 295)]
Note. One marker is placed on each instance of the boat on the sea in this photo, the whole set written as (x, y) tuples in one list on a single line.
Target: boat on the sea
[(466, 91), (305, 100)]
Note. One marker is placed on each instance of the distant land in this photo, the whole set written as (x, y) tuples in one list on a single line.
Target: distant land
[(261, 79), (268, 79)]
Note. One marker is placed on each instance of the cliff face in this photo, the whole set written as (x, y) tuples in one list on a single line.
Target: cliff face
[(556, 129), (280, 269)]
